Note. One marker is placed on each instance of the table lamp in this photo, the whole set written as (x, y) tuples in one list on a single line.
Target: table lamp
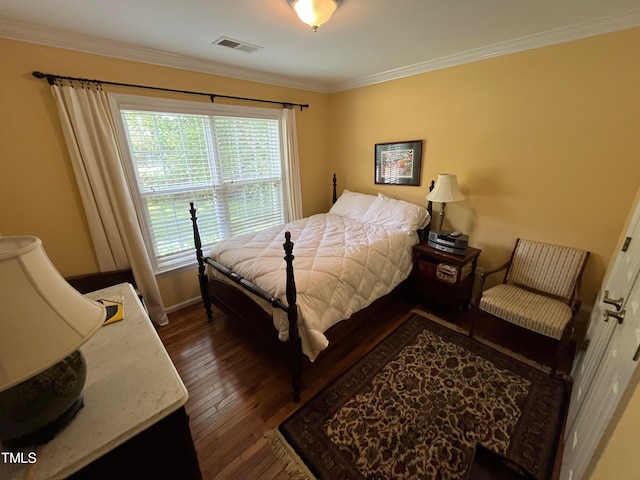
[(43, 322), (446, 190)]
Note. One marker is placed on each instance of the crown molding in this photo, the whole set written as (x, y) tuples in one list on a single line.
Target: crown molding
[(54, 38), (587, 29), (31, 33)]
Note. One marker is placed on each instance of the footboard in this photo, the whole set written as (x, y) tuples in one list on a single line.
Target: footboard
[(293, 346), (234, 301), (202, 276)]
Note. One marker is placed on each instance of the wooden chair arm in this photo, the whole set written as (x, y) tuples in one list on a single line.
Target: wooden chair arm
[(576, 301), (575, 305), (482, 276)]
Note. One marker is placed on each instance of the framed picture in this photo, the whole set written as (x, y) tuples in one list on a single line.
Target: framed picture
[(398, 163)]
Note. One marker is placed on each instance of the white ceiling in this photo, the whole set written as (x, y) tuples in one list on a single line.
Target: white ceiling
[(365, 42)]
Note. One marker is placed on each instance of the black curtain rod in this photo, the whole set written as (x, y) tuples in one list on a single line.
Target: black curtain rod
[(52, 78)]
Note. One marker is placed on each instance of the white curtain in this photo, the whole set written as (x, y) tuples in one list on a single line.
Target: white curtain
[(90, 135), (293, 200)]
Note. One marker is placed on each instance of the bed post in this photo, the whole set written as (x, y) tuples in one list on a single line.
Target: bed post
[(430, 203), (335, 196), (202, 277), (295, 345), (425, 232)]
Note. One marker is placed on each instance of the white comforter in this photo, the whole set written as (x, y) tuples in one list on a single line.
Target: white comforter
[(341, 266)]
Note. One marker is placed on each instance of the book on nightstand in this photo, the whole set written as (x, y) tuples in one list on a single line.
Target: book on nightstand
[(115, 310)]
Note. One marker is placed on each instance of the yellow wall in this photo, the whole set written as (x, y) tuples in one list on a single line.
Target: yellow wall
[(544, 142), (38, 194)]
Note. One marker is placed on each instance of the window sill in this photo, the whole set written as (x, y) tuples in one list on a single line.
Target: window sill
[(172, 270)]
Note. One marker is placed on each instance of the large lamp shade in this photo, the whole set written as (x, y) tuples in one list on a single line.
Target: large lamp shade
[(445, 190), (43, 319), (43, 322)]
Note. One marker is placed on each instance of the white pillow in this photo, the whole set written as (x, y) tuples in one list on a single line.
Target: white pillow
[(352, 204), (396, 214)]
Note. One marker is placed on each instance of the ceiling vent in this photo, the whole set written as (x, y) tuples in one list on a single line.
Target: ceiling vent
[(237, 45)]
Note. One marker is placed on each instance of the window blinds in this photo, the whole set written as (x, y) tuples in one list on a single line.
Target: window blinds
[(229, 166)]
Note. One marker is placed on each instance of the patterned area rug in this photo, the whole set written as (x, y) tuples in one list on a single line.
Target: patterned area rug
[(417, 405)]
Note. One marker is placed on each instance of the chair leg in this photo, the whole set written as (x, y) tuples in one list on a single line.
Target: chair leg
[(474, 318), (556, 362), (558, 357), (563, 343)]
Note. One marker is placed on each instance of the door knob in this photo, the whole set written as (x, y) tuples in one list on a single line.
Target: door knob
[(617, 315), (616, 303)]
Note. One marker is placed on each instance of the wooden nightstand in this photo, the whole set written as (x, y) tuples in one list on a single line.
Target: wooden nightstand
[(443, 278)]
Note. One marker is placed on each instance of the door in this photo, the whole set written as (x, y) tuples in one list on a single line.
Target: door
[(603, 371), (615, 288)]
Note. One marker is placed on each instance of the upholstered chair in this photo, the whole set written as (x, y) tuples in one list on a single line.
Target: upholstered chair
[(539, 292)]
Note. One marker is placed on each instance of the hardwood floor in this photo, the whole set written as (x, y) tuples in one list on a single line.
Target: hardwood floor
[(238, 389)]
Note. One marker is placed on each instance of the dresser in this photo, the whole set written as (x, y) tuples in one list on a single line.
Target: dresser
[(133, 424)]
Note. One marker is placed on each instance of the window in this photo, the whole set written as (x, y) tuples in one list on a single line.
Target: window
[(225, 159)]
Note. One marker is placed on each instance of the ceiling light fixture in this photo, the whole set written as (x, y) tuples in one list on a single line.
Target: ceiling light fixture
[(314, 12)]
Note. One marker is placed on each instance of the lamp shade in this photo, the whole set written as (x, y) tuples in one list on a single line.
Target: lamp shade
[(43, 319), (314, 12), (446, 189)]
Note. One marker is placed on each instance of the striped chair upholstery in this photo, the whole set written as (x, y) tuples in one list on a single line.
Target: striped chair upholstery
[(539, 288), (539, 313), (550, 269)]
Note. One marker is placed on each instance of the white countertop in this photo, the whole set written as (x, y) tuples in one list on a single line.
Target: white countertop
[(131, 384)]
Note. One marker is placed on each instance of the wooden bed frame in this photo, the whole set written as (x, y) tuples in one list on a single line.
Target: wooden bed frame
[(233, 301)]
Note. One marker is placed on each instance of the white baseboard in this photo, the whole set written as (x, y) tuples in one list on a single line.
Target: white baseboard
[(181, 305)]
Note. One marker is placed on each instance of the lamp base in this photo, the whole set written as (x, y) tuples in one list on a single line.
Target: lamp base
[(48, 432), (35, 410), (441, 216)]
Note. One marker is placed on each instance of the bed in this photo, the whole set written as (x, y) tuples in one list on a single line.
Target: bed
[(345, 260)]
